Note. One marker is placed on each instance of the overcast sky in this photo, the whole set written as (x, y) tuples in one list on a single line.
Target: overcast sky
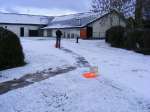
[(45, 7)]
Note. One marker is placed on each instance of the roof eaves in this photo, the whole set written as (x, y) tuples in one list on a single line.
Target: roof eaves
[(26, 14), (69, 27), (105, 16), (21, 24)]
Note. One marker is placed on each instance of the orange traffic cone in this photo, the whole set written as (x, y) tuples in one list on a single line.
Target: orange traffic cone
[(89, 75), (92, 74)]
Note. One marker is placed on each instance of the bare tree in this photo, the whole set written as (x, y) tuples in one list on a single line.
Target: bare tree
[(101, 6), (123, 6), (139, 9), (104, 6)]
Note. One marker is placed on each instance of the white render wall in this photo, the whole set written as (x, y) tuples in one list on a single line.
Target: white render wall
[(16, 28), (45, 33), (67, 32), (101, 26)]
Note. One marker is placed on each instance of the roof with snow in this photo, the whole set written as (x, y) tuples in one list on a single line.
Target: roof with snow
[(12, 18), (73, 20), (66, 21), (76, 20)]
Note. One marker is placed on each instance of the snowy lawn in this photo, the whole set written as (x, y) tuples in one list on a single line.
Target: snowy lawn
[(123, 84), (40, 54), (121, 66)]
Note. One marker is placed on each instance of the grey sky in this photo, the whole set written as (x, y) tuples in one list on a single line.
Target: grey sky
[(46, 7)]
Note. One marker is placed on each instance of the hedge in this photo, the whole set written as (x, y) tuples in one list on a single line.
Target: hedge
[(115, 36), (11, 52), (133, 39)]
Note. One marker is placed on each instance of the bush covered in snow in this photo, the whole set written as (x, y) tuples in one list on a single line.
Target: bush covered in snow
[(115, 36), (11, 52)]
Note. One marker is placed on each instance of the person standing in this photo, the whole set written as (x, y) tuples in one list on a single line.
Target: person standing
[(58, 38)]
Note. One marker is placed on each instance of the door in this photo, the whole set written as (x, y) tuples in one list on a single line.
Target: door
[(83, 33), (22, 31), (89, 32)]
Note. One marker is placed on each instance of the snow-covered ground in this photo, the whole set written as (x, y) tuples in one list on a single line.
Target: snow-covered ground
[(121, 66), (122, 86), (40, 54)]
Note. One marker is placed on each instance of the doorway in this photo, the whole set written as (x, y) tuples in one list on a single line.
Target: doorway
[(89, 32), (22, 31)]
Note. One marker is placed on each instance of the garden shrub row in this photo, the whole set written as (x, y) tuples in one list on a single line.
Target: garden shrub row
[(137, 39), (115, 36)]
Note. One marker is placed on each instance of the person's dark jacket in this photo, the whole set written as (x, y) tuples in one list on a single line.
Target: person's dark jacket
[(58, 34)]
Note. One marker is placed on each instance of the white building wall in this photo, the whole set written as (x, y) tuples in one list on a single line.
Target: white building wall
[(16, 28), (45, 33), (101, 26), (67, 33), (53, 32)]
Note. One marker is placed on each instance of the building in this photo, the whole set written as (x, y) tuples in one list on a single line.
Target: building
[(84, 25), (23, 24)]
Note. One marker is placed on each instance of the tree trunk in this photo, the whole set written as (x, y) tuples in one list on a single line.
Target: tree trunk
[(139, 13)]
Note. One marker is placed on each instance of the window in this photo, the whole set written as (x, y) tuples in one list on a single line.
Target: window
[(33, 33), (78, 19), (72, 35), (68, 35), (22, 31)]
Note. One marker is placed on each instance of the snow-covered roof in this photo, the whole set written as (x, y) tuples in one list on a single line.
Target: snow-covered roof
[(65, 21), (72, 16), (55, 26), (11, 18), (73, 20)]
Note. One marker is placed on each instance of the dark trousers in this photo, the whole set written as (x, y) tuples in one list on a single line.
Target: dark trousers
[(58, 41)]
